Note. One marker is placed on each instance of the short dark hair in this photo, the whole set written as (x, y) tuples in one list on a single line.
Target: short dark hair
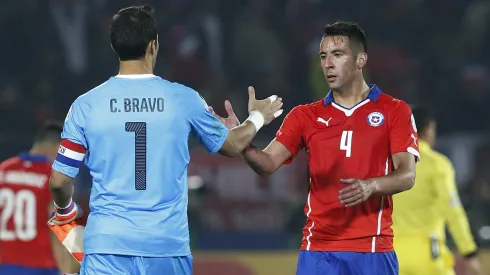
[(132, 29), (50, 131), (355, 34), (423, 117)]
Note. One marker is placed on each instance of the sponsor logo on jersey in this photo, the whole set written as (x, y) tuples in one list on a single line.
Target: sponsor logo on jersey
[(324, 121)]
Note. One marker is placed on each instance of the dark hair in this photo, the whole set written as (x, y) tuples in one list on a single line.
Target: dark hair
[(49, 132), (423, 117), (356, 36), (132, 29)]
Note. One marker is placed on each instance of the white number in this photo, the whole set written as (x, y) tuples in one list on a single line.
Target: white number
[(22, 207), (346, 142)]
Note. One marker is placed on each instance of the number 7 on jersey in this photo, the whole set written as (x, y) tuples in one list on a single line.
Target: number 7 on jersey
[(346, 143)]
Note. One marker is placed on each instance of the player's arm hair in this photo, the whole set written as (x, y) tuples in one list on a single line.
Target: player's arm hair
[(61, 187), (238, 138), (400, 180), (64, 260), (267, 161)]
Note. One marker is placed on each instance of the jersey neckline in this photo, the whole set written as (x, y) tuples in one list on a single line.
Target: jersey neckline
[(25, 156)]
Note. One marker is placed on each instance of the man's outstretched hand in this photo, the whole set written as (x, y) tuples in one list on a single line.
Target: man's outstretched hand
[(231, 120)]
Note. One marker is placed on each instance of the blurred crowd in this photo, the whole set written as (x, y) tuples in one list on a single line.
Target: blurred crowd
[(430, 52)]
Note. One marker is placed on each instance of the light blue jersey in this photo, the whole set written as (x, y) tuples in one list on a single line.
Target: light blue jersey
[(135, 130)]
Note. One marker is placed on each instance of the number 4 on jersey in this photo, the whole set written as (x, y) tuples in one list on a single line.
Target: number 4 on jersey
[(346, 142)]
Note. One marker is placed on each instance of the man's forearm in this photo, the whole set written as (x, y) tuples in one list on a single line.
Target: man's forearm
[(61, 190), (258, 160), (242, 135), (395, 182)]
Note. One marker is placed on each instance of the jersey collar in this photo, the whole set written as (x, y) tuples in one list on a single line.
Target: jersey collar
[(135, 76), (34, 158), (373, 95)]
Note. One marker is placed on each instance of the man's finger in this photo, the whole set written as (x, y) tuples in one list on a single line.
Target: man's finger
[(347, 181), (349, 194), (351, 199), (348, 189), (277, 102), (354, 203), (278, 113), (251, 92), (272, 98), (229, 108), (276, 106)]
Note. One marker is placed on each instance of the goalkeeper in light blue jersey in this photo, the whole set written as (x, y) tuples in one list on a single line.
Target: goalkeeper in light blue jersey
[(132, 133)]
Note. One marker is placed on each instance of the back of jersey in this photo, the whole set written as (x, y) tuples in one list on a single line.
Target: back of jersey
[(25, 201), (135, 130)]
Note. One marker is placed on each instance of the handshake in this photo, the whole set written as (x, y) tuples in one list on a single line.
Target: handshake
[(262, 112)]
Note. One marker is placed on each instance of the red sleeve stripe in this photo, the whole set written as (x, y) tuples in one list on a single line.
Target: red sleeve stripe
[(73, 146)]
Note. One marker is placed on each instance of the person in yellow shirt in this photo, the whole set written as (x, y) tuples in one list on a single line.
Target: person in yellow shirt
[(420, 215)]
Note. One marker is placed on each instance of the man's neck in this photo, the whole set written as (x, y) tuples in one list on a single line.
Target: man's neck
[(38, 150), (348, 97), (134, 67)]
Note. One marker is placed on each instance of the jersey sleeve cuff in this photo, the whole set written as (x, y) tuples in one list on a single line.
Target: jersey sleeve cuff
[(65, 169), (410, 150), (414, 152), (290, 149), (219, 143)]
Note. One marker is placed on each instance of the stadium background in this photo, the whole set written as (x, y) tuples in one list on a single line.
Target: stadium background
[(423, 51)]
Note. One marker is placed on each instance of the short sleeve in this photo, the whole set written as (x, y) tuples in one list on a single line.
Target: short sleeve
[(291, 133), (73, 142), (204, 126), (403, 131)]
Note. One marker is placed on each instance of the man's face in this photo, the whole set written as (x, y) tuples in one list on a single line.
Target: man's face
[(337, 61)]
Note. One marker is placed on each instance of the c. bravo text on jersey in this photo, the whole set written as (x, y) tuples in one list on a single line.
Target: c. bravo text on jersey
[(135, 105)]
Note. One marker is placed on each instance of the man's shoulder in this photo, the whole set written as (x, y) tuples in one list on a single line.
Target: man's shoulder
[(437, 160), (112, 84), (442, 160), (300, 110), (390, 101), (12, 161), (393, 106)]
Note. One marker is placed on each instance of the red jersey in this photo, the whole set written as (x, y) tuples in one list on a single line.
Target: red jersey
[(349, 143), (24, 201)]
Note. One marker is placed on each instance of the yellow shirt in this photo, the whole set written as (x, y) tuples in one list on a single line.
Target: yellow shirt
[(432, 203)]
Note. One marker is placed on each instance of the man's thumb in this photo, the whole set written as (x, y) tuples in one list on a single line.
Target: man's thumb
[(251, 92)]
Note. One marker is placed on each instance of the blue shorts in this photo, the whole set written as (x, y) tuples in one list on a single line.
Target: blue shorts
[(106, 264), (20, 270), (346, 263)]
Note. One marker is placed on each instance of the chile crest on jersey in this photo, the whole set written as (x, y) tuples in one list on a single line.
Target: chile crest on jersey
[(375, 119)]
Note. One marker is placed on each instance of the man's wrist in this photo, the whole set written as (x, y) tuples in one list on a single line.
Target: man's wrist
[(374, 185), (257, 119), (65, 209)]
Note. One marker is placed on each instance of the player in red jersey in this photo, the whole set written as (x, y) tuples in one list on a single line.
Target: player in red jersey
[(362, 148), (27, 246)]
